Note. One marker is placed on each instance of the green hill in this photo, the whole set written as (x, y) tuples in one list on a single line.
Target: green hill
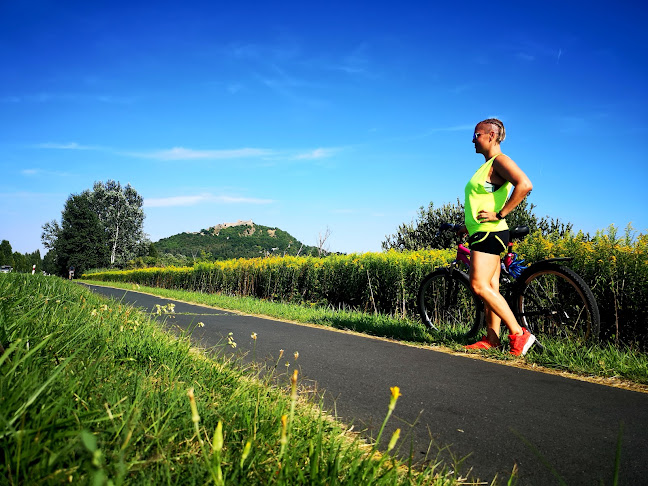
[(242, 239)]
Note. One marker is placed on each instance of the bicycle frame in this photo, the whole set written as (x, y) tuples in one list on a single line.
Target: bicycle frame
[(511, 266), (463, 255)]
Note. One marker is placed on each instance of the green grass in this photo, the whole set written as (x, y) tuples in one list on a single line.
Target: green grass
[(94, 392), (601, 360)]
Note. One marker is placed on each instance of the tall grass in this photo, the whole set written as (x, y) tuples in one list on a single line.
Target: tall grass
[(92, 391)]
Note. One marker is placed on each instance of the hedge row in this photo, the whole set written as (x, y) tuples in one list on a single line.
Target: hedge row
[(615, 268), (372, 282)]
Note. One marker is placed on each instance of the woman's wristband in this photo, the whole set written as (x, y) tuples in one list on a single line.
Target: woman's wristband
[(499, 215)]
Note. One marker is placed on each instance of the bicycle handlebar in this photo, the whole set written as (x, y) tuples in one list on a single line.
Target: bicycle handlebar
[(449, 226)]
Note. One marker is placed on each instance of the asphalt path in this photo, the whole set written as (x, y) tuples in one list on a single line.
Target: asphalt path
[(497, 415)]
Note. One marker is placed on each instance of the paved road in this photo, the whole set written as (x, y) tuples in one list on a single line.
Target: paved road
[(500, 415)]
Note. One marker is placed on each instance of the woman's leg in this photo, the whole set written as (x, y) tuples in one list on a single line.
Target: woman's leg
[(484, 280), (493, 321)]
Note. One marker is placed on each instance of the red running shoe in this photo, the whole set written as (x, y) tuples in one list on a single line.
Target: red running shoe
[(521, 343), (483, 344)]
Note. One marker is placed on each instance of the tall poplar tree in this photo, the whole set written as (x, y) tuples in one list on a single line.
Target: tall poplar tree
[(122, 217)]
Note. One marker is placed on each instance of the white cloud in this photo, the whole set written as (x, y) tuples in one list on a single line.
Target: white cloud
[(461, 88), (175, 201), (43, 173), (356, 62), (281, 52), (241, 200), (318, 153), (65, 146), (67, 97), (181, 153), (234, 88), (526, 56)]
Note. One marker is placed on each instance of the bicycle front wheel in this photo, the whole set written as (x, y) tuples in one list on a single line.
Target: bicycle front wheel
[(554, 300), (448, 305)]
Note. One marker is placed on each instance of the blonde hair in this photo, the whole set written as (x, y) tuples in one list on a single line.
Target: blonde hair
[(498, 128)]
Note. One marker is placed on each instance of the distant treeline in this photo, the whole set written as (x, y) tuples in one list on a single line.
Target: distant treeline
[(19, 262)]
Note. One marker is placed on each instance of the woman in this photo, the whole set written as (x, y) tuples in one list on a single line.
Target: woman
[(486, 207)]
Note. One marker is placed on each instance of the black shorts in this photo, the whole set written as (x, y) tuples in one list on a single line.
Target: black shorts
[(493, 242)]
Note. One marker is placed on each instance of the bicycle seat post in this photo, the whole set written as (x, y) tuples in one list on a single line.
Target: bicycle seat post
[(509, 257)]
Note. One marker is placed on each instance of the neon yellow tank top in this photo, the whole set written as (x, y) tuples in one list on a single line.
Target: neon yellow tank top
[(477, 198)]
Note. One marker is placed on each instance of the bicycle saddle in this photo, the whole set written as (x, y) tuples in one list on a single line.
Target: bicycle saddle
[(519, 232)]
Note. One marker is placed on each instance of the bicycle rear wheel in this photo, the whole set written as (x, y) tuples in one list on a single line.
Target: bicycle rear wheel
[(448, 305), (554, 300)]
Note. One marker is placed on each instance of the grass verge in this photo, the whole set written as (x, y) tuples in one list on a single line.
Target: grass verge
[(92, 391), (619, 365)]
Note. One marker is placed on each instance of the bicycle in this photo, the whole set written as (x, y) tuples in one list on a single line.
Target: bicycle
[(546, 297)]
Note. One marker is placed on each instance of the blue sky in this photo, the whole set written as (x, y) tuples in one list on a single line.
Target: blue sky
[(314, 115)]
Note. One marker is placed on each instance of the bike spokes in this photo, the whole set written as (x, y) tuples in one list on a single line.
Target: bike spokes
[(555, 302), (448, 305)]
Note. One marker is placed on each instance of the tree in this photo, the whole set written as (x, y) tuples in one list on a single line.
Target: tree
[(81, 241), (322, 246), (34, 259), (20, 263), (50, 234), (114, 220), (152, 251), (6, 253), (49, 263), (423, 233), (122, 217)]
